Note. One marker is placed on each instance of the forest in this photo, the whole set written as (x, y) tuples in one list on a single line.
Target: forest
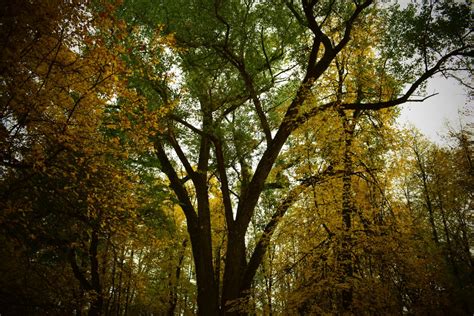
[(232, 157)]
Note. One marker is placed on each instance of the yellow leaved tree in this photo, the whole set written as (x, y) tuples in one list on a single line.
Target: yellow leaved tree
[(69, 196)]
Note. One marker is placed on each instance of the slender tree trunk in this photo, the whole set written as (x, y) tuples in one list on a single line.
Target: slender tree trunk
[(217, 270), (208, 302), (345, 257), (269, 282), (447, 234), (118, 305), (98, 300), (111, 297), (129, 283), (427, 196), (206, 285), (173, 298)]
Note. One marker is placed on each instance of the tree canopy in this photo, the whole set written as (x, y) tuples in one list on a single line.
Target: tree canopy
[(231, 157)]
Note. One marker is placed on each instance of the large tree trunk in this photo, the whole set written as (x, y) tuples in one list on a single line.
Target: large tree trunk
[(207, 299), (235, 266), (198, 224)]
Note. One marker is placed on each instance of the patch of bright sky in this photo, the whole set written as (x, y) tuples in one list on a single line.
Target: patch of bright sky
[(434, 117)]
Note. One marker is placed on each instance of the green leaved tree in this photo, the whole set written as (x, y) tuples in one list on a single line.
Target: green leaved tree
[(243, 76)]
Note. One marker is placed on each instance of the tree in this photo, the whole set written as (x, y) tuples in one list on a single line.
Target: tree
[(248, 117), (396, 265), (68, 197), (440, 184), (251, 74)]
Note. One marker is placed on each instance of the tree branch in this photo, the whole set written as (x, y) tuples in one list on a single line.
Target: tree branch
[(291, 7), (177, 186), (224, 184), (314, 27), (350, 23), (269, 66), (77, 271), (190, 126), (220, 166), (258, 105), (182, 157), (252, 193), (262, 244), (405, 98)]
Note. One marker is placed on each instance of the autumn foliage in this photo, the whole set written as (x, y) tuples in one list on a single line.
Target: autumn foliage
[(231, 158)]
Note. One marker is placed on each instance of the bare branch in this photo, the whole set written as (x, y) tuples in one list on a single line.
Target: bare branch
[(405, 98), (217, 4), (191, 127), (258, 106), (262, 244), (423, 99)]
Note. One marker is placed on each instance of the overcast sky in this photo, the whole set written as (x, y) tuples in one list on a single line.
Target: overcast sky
[(432, 116)]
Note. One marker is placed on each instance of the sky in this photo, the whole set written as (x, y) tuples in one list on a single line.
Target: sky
[(433, 116)]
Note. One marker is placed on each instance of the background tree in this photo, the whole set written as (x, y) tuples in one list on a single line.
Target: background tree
[(69, 197), (439, 173)]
